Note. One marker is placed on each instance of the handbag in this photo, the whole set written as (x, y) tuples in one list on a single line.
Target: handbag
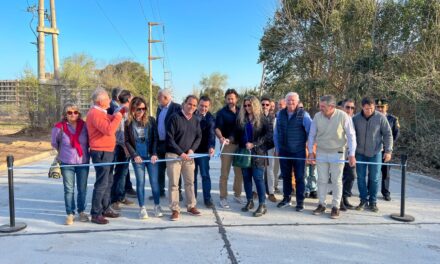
[(244, 160), (55, 169)]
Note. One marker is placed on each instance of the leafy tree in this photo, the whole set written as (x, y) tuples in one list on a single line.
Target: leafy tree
[(214, 86)]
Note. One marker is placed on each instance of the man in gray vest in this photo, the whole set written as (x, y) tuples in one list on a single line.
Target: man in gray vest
[(331, 129)]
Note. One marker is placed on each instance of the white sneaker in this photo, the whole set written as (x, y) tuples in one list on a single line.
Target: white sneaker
[(224, 203), (158, 211), (143, 213), (238, 199)]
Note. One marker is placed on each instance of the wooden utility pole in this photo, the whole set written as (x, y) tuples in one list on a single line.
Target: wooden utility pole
[(42, 30), (150, 65)]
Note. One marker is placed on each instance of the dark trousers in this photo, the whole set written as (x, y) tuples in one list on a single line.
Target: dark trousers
[(385, 189), (119, 175), (103, 183), (348, 177), (161, 151), (298, 167), (128, 184), (202, 165)]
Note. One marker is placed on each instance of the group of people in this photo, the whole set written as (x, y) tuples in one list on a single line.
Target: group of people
[(180, 141)]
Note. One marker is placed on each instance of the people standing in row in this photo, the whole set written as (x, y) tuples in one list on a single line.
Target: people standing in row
[(207, 146), (253, 132), (101, 128), (373, 133), (121, 170), (182, 138), (290, 137), (382, 107), (225, 123), (165, 109), (269, 170), (70, 139), (332, 129), (141, 141)]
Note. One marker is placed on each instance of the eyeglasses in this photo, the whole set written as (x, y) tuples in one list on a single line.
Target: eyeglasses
[(379, 106), (350, 107), (72, 113), (140, 109), (265, 104), (247, 105)]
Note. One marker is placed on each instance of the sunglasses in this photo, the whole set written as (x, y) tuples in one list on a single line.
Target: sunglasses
[(247, 105), (72, 113), (140, 109), (350, 107), (265, 104)]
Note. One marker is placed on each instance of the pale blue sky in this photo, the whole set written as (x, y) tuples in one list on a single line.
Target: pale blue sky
[(202, 36)]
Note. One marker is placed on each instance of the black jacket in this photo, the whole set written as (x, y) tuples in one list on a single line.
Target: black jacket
[(173, 108), (152, 138), (262, 138), (207, 124)]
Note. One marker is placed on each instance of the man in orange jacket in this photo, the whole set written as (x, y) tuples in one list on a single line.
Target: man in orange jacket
[(101, 128)]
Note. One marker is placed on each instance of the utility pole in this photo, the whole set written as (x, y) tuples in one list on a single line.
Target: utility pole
[(263, 78), (166, 78), (42, 30), (150, 65)]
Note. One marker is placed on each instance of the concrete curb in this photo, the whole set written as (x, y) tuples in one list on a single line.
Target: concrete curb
[(27, 160), (420, 179)]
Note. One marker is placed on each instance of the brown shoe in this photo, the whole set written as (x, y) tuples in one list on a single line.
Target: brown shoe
[(194, 211), (116, 206), (272, 198), (175, 215), (335, 213), (100, 220), (127, 202), (111, 214)]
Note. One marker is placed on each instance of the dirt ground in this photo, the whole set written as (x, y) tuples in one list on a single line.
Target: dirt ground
[(22, 144)]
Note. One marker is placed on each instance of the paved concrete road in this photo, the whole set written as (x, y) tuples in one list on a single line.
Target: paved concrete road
[(219, 236)]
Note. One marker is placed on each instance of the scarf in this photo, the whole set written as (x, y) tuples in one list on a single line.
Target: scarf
[(74, 138)]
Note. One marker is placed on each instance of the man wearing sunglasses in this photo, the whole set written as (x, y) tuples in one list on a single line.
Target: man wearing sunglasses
[(382, 107)]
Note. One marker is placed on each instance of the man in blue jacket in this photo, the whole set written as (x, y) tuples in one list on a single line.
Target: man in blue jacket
[(207, 145), (290, 137)]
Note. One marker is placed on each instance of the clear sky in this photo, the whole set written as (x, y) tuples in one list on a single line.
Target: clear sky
[(202, 36)]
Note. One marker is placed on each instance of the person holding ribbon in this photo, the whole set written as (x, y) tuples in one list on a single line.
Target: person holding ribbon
[(141, 140), (254, 132), (69, 137)]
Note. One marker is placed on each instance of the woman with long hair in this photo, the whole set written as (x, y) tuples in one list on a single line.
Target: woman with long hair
[(254, 133), (69, 138), (141, 139)]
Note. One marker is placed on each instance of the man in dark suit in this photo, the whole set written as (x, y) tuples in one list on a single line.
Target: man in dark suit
[(165, 110)]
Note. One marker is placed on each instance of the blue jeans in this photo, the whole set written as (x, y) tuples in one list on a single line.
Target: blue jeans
[(120, 175), (368, 193), (139, 171), (257, 174), (298, 166), (310, 178), (203, 164), (69, 173)]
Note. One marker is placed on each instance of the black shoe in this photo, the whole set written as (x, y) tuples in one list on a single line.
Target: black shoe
[(306, 195), (387, 198), (313, 195), (284, 203), (299, 207), (209, 204), (361, 206), (373, 207), (261, 210), (180, 196), (342, 207), (347, 203), (249, 205)]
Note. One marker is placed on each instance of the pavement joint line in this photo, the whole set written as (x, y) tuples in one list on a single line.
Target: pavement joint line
[(219, 224), (222, 231)]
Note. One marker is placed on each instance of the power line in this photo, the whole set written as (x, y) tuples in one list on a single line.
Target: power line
[(115, 29), (143, 11)]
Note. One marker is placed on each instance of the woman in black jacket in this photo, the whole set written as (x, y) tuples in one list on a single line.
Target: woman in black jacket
[(141, 138), (254, 133)]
